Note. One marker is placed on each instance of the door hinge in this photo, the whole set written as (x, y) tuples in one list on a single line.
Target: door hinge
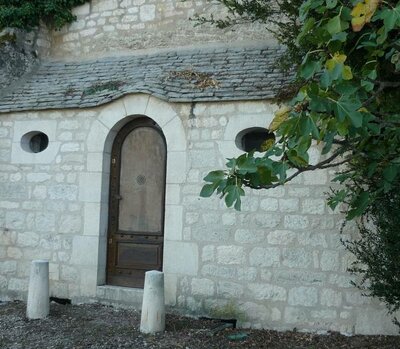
[(110, 241), (113, 161)]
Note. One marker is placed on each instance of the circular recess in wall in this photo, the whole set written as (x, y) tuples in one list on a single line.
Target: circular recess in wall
[(254, 138), (34, 142)]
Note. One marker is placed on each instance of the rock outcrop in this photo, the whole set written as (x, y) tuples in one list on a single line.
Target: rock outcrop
[(18, 55)]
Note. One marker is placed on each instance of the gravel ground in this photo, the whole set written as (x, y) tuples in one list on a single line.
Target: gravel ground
[(97, 326)]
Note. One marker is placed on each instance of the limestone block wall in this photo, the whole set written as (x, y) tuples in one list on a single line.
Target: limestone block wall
[(119, 25), (276, 264)]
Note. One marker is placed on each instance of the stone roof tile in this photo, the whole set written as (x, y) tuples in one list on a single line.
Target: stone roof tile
[(177, 76)]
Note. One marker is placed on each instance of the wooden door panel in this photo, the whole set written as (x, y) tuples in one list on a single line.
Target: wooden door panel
[(141, 181), (136, 204), (138, 256)]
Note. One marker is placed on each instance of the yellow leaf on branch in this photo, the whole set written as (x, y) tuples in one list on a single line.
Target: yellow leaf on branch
[(267, 144), (337, 58), (362, 13), (280, 116)]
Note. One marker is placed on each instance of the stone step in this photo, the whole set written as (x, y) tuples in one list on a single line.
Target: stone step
[(124, 297)]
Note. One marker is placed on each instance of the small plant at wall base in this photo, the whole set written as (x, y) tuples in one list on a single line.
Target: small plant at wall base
[(27, 14), (348, 59)]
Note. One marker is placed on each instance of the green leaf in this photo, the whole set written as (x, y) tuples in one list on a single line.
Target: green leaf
[(358, 205), (328, 139), (279, 169), (207, 190), (231, 163), (230, 195), (245, 164), (308, 69), (368, 85), (338, 197), (331, 3), (349, 109), (342, 37), (307, 26), (298, 160), (214, 176), (334, 25), (238, 204), (390, 173), (233, 194)]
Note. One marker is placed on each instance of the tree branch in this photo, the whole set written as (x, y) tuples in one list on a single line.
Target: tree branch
[(327, 163)]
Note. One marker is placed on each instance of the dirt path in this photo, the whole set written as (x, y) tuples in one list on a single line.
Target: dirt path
[(97, 326)]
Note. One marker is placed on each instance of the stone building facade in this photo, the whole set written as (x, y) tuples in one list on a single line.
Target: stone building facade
[(277, 264)]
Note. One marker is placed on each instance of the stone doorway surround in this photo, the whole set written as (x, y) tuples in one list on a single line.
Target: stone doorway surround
[(180, 257)]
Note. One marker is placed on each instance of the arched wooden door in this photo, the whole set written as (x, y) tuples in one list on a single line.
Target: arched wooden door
[(136, 203)]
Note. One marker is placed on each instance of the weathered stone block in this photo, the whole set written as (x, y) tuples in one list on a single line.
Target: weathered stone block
[(288, 205), (208, 253), (265, 257), (218, 271), (294, 315), (249, 236), (305, 296), (267, 291), (45, 221), (230, 255), (202, 287), (70, 224), (247, 274), (8, 267), (269, 204), (15, 219), (314, 206), (229, 289), (331, 298), (28, 239), (63, 192), (281, 237), (329, 261), (181, 258), (324, 314), (18, 285), (297, 258), (296, 222), (147, 13)]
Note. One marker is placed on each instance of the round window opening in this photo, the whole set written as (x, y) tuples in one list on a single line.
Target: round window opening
[(254, 139), (34, 142)]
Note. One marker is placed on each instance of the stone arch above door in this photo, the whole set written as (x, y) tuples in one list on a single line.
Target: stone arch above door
[(110, 120)]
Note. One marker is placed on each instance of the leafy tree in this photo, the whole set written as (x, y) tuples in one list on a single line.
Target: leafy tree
[(348, 55), (377, 251), (27, 14), (347, 100)]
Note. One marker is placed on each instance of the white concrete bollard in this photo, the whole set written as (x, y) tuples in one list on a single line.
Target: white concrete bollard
[(153, 306), (38, 306)]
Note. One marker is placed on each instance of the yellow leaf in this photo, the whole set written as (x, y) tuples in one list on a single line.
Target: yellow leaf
[(362, 13), (267, 144), (358, 23), (336, 59), (280, 116), (339, 57), (372, 5), (358, 10), (330, 64), (347, 73)]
